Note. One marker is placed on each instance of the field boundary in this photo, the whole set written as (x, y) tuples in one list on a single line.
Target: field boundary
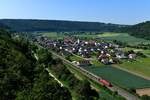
[(145, 91), (131, 72)]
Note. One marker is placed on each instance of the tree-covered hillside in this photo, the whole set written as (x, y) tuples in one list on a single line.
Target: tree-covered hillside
[(22, 77), (141, 30), (57, 25)]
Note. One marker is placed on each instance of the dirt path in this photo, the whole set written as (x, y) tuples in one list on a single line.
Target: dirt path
[(145, 91), (61, 84)]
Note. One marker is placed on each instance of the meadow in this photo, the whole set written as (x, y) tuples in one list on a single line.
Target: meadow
[(118, 77)]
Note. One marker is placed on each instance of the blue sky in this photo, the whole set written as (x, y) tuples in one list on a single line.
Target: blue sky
[(109, 11)]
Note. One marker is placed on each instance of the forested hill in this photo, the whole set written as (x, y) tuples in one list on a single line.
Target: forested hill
[(3, 26), (141, 30), (57, 25), (22, 77)]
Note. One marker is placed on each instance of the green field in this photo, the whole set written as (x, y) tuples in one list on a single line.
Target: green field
[(146, 52), (76, 58), (53, 35), (123, 37), (119, 77), (140, 66), (109, 36), (103, 93)]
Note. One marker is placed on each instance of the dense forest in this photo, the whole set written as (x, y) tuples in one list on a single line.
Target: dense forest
[(57, 25), (22, 77)]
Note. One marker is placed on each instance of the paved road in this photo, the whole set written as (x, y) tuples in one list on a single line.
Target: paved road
[(90, 75)]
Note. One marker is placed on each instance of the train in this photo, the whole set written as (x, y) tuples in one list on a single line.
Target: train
[(105, 83), (95, 77)]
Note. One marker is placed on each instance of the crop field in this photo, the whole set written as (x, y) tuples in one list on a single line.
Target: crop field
[(119, 77), (140, 66), (103, 93)]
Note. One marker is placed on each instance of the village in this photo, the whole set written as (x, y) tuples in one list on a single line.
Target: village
[(85, 51)]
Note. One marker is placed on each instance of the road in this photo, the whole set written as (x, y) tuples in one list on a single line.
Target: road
[(120, 91)]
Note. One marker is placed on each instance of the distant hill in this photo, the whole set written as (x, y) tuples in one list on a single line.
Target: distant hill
[(3, 26), (141, 30), (57, 25)]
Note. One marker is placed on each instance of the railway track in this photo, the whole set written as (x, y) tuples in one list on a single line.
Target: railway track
[(95, 78)]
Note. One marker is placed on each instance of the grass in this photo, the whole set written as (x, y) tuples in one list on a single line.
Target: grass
[(96, 63), (53, 35), (109, 36), (119, 77), (76, 58), (140, 66), (86, 36), (136, 50)]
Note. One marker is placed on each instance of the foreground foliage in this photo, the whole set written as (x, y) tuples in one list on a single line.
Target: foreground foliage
[(22, 77)]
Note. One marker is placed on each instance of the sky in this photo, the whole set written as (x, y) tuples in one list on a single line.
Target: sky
[(108, 11)]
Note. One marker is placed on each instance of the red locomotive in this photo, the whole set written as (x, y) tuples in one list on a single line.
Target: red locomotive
[(106, 83)]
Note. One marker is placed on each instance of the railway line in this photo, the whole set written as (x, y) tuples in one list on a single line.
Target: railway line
[(96, 78)]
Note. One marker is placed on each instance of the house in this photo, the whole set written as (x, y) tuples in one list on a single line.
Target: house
[(120, 56), (105, 59), (132, 56)]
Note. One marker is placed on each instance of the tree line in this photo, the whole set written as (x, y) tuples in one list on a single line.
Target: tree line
[(24, 25)]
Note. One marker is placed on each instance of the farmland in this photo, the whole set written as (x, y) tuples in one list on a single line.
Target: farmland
[(140, 66), (53, 35), (123, 37), (109, 36), (119, 77)]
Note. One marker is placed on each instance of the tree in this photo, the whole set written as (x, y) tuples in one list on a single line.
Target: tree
[(145, 97), (85, 92)]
